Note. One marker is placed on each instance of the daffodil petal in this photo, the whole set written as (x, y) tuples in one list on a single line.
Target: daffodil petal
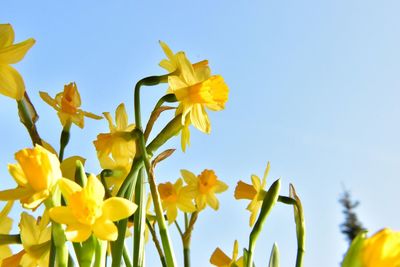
[(68, 187), (68, 166), (14, 194), (11, 82), (105, 230), (78, 232), (172, 213), (18, 174), (121, 118), (199, 118), (14, 53), (6, 35), (34, 200), (49, 100), (189, 177), (27, 225), (213, 201), (255, 180), (94, 188), (62, 215), (117, 208), (220, 187), (92, 115), (219, 258), (201, 202)]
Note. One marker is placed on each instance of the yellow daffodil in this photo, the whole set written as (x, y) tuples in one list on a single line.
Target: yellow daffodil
[(195, 89), (67, 104), (35, 237), (86, 212), (68, 166), (254, 192), (380, 250), (116, 150), (204, 187), (5, 228), (174, 197), (220, 259), (11, 82), (36, 174)]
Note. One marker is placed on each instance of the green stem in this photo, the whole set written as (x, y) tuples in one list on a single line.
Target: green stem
[(165, 238), (59, 243), (156, 243), (64, 139), (127, 260), (100, 253), (187, 237), (269, 202), (118, 245), (10, 239), (139, 221), (186, 257), (52, 256)]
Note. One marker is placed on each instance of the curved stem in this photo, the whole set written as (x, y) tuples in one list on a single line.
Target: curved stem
[(64, 139), (139, 221), (156, 243), (165, 238)]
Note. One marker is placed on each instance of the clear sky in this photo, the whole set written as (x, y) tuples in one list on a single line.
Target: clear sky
[(314, 89)]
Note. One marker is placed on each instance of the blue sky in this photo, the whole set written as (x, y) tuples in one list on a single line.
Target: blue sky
[(314, 89)]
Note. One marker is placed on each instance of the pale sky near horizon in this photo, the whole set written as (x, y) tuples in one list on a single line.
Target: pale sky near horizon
[(314, 89)]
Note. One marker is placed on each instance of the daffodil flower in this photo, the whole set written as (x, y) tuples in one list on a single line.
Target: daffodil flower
[(174, 197), (36, 174), (86, 212), (35, 237), (5, 228), (116, 150), (220, 259), (254, 192), (204, 187), (380, 250), (11, 82), (195, 89), (67, 104)]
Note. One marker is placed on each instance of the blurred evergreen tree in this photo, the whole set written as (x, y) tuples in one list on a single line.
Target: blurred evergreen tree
[(351, 226)]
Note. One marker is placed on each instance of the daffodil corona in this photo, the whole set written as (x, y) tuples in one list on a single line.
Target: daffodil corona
[(86, 212), (36, 174), (11, 82)]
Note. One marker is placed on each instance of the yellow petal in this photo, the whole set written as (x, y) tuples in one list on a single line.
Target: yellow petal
[(219, 258), (105, 230), (212, 201), (201, 202), (121, 118), (220, 187), (29, 230), (5, 252), (185, 136), (255, 180), (189, 177), (14, 260), (6, 35), (15, 53), (168, 52), (11, 82), (172, 213), (62, 215), (235, 250), (68, 166), (18, 174), (94, 188), (14, 194), (116, 208), (91, 115), (35, 199), (49, 100), (78, 232), (68, 187), (199, 118), (7, 208)]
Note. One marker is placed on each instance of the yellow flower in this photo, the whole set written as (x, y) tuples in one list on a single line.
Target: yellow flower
[(174, 197), (195, 89), (35, 237), (5, 228), (36, 174), (380, 250), (67, 104), (116, 150), (255, 192), (86, 212), (220, 259), (204, 187), (11, 82)]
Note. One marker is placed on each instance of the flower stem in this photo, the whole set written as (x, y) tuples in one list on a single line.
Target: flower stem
[(64, 139), (100, 253), (156, 243), (187, 237), (10, 239), (139, 221), (127, 260), (28, 117)]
